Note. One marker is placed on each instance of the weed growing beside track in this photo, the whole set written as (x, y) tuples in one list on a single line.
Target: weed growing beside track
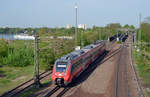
[(142, 63), (17, 59), (13, 76)]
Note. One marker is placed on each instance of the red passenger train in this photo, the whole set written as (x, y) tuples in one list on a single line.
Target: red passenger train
[(73, 64)]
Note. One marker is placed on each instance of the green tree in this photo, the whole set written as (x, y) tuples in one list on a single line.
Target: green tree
[(112, 28), (3, 48), (47, 58), (126, 26), (132, 27), (145, 32)]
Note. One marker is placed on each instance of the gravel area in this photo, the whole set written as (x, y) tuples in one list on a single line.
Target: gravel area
[(98, 80), (131, 77), (99, 83)]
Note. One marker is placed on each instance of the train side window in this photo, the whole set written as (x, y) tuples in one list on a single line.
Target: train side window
[(76, 65), (72, 68)]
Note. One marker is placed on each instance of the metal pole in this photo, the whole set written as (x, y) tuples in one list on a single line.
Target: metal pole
[(135, 37), (76, 29), (104, 31), (99, 34), (82, 44), (117, 36), (109, 32), (140, 30), (36, 63), (139, 35)]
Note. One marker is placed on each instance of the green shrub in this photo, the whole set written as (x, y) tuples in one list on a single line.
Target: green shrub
[(119, 42), (19, 57), (46, 58), (3, 48)]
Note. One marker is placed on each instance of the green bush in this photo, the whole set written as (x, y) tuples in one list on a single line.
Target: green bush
[(3, 48), (46, 58), (119, 42), (19, 57), (142, 66)]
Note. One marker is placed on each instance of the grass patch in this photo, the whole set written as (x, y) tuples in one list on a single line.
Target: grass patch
[(46, 81), (14, 76), (143, 67), (119, 42), (148, 94), (17, 65)]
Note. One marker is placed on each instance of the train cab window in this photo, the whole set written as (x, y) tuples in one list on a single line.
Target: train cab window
[(61, 66)]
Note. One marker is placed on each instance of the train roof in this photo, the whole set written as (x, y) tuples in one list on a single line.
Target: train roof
[(72, 55), (77, 53)]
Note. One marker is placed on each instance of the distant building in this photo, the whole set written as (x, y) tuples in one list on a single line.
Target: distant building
[(83, 26), (69, 26)]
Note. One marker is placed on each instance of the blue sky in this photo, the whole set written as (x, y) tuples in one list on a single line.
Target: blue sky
[(57, 13)]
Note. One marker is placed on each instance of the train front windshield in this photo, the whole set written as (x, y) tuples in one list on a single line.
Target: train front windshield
[(61, 66)]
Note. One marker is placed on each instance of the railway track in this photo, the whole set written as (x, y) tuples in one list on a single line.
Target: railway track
[(19, 89), (123, 79), (126, 80), (121, 76), (59, 93), (63, 92), (53, 91)]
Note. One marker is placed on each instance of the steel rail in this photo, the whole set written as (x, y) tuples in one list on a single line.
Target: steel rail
[(41, 77), (126, 80), (141, 94), (10, 92), (111, 54), (52, 91), (117, 75), (63, 91)]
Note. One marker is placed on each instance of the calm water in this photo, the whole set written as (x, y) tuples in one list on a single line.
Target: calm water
[(7, 36)]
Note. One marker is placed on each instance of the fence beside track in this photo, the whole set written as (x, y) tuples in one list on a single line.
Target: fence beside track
[(16, 90)]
